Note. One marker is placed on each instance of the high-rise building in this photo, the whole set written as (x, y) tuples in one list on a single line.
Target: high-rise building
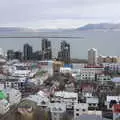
[(10, 54), (46, 49), (64, 54), (18, 55), (92, 56), (37, 55), (27, 52)]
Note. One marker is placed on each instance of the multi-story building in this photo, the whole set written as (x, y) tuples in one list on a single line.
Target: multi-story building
[(18, 55), (92, 102), (37, 55), (4, 105), (57, 111), (64, 54), (92, 56), (79, 109), (10, 54), (89, 73), (27, 52), (14, 96), (108, 59), (69, 98), (46, 50), (112, 67)]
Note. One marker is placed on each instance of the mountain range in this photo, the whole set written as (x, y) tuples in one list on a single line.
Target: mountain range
[(100, 26)]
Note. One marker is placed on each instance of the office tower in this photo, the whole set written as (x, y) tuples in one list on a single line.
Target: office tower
[(92, 56), (46, 49), (27, 52), (64, 54), (18, 55), (10, 54)]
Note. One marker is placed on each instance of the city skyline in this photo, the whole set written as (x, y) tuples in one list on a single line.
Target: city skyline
[(57, 13)]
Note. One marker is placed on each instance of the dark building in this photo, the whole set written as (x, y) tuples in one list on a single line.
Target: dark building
[(64, 54), (18, 55), (37, 55), (10, 54), (46, 49), (27, 52)]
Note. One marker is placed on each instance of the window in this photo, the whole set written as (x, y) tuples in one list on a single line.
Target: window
[(77, 114), (77, 109), (89, 104), (94, 104), (83, 110)]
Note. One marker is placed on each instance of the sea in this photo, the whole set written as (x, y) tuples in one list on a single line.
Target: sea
[(106, 42)]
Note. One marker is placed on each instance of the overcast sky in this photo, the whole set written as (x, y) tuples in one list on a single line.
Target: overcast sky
[(57, 13)]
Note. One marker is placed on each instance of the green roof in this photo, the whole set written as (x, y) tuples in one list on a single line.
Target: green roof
[(3, 95)]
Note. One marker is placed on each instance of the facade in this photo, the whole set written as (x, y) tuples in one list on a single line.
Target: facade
[(69, 98), (112, 67), (65, 70), (37, 55), (57, 111), (79, 109), (64, 53), (46, 50), (47, 66), (18, 55), (10, 54), (92, 56), (27, 52), (88, 73), (4, 106), (108, 59), (40, 100), (111, 100), (14, 96), (116, 112), (92, 102)]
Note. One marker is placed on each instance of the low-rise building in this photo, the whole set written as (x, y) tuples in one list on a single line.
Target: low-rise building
[(4, 105), (79, 109), (57, 111), (111, 100), (69, 98), (14, 96), (89, 72), (116, 111), (40, 100), (92, 102)]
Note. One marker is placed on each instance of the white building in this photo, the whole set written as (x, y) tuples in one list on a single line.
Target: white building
[(40, 99), (57, 110), (79, 109), (14, 96), (69, 98), (20, 70), (92, 102), (4, 106), (109, 99), (91, 115), (88, 73), (92, 56), (65, 70)]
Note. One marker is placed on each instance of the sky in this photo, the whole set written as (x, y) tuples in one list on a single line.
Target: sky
[(57, 13)]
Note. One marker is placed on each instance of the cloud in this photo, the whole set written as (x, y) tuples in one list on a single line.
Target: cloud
[(21, 12)]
